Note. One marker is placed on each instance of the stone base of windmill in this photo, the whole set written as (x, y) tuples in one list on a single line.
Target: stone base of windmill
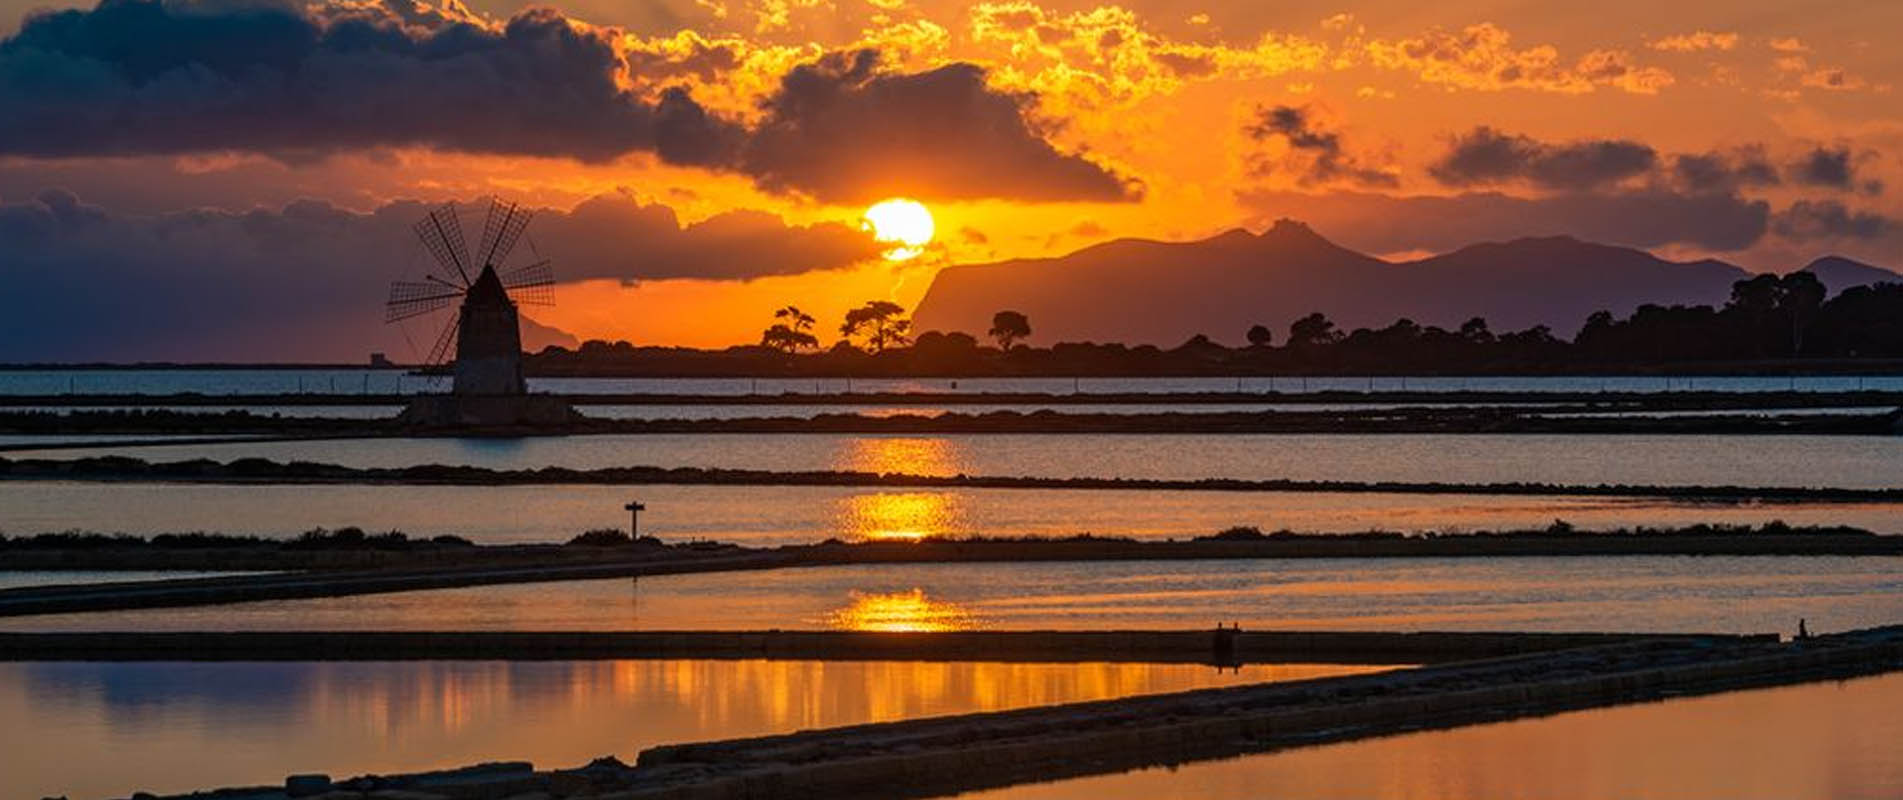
[(488, 412)]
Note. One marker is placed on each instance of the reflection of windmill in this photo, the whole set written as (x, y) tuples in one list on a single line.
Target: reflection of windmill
[(484, 331)]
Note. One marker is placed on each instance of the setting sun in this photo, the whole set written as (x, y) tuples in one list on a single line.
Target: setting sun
[(901, 222)]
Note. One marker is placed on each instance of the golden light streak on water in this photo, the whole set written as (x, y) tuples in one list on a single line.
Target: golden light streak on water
[(903, 612)]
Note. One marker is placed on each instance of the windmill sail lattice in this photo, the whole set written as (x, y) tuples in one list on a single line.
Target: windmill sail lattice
[(484, 332)]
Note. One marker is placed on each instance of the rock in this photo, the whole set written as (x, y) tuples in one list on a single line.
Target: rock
[(306, 785)]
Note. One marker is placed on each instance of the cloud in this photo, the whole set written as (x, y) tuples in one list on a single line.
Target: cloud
[(1638, 218), (1483, 57), (841, 130), (1716, 171), (1314, 153), (1487, 156), (1696, 41), (1833, 168), (1829, 219), (307, 281), (133, 77)]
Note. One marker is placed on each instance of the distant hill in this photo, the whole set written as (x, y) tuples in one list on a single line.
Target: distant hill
[(1839, 273), (1162, 293)]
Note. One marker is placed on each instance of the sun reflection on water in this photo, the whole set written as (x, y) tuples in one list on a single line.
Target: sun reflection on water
[(902, 612), (915, 456), (899, 516)]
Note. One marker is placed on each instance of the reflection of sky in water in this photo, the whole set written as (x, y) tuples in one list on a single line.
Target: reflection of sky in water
[(110, 729), (1816, 741), (1632, 593), (255, 381), (905, 516), (1843, 461), (776, 515), (908, 611)]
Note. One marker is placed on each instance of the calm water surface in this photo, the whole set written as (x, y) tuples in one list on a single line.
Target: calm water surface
[(109, 729), (1839, 461), (14, 579), (1820, 741), (776, 515), (1625, 593), (258, 381)]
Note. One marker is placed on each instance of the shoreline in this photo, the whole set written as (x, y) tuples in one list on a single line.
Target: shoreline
[(428, 565), (1660, 400), (938, 756), (1884, 420), (1028, 646), (260, 471)]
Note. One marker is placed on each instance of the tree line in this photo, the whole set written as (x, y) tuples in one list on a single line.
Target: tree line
[(1768, 319)]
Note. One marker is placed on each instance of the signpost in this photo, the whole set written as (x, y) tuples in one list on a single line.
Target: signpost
[(634, 519)]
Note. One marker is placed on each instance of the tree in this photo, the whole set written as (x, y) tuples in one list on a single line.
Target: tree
[(1260, 336), (1476, 331), (881, 322), (1313, 329), (786, 340), (791, 335), (797, 319), (1009, 326)]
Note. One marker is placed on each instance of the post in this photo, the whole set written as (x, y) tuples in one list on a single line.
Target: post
[(634, 519)]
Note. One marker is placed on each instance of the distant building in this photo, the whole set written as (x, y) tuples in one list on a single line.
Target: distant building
[(378, 361)]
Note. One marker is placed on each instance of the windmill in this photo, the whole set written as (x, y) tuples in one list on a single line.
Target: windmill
[(484, 331)]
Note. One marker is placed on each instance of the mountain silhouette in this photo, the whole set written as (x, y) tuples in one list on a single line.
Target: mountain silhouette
[(1839, 273), (1133, 290)]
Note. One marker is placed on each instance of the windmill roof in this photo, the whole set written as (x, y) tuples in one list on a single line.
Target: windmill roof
[(487, 291)]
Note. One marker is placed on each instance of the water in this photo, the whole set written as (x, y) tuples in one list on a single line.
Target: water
[(884, 411), (1826, 461), (14, 579), (371, 381), (1623, 593), (1820, 741), (111, 729), (802, 410), (779, 515)]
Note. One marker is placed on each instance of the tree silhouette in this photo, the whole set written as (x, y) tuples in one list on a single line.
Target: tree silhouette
[(1009, 326), (786, 340), (1314, 329), (797, 319), (881, 322), (792, 335), (1260, 336)]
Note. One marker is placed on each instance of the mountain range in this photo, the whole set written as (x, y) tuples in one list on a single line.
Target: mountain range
[(1142, 291)]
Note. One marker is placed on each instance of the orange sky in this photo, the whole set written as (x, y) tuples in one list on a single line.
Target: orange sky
[(1170, 99)]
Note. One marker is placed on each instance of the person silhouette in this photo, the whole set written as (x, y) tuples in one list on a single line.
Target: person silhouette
[(1803, 632)]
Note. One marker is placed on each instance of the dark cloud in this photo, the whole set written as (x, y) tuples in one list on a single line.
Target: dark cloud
[(1824, 166), (307, 281), (141, 76), (1745, 167), (1833, 168), (840, 130), (1641, 218), (1829, 219), (1317, 153), (1487, 156), (146, 77)]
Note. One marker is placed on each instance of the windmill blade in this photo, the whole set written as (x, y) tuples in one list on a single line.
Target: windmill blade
[(500, 230), (531, 285), (410, 299), (442, 235), (445, 341), (539, 273)]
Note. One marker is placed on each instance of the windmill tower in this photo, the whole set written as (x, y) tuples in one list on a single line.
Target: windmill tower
[(485, 330)]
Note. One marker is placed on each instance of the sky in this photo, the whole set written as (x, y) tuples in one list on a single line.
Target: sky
[(236, 179)]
